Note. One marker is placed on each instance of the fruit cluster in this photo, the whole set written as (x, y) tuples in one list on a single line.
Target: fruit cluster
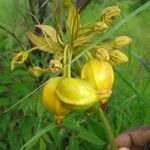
[(92, 85)]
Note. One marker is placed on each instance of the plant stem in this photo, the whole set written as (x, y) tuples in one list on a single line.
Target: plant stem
[(107, 128), (65, 61), (69, 62)]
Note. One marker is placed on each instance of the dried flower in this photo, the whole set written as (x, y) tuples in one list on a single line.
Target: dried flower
[(19, 59), (37, 71), (121, 41), (110, 13), (117, 57), (55, 65)]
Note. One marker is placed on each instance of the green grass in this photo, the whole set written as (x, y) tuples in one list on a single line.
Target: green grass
[(129, 105)]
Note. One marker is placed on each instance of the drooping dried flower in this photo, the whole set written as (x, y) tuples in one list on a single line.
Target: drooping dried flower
[(19, 58)]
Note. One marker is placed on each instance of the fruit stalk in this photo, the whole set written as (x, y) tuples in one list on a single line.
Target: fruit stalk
[(107, 129)]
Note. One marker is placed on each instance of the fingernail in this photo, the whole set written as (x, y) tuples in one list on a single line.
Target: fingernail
[(123, 148)]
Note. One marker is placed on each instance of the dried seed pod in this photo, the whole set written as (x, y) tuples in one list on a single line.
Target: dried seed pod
[(99, 74), (102, 54), (117, 57), (121, 41), (110, 13), (76, 94), (51, 100)]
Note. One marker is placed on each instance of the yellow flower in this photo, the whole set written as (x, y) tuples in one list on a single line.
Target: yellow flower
[(19, 59), (110, 13)]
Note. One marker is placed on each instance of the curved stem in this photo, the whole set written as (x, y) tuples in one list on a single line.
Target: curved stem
[(107, 128)]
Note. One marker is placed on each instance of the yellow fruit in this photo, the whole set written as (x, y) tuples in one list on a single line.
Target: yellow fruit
[(50, 99), (99, 74), (77, 94)]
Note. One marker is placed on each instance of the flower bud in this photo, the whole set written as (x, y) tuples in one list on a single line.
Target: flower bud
[(121, 41), (100, 26), (76, 94), (99, 74), (106, 46), (55, 65), (67, 3), (117, 57), (19, 59), (110, 13), (102, 54), (51, 100)]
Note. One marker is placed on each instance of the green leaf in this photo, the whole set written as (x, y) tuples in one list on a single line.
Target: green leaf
[(73, 144), (72, 125), (82, 132), (3, 88), (38, 135), (14, 140), (27, 127), (90, 137)]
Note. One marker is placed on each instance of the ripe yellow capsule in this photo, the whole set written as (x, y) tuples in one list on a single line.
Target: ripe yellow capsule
[(77, 94), (99, 73), (50, 99)]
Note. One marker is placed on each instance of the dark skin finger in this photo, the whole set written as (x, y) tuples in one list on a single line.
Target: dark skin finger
[(134, 138)]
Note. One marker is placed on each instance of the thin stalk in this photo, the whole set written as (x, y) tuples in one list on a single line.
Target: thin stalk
[(65, 61), (107, 129), (69, 62)]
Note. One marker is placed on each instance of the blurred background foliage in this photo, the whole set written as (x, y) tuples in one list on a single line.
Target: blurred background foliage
[(30, 123)]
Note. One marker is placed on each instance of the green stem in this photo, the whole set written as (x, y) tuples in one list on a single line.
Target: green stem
[(69, 62), (65, 60), (107, 128)]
